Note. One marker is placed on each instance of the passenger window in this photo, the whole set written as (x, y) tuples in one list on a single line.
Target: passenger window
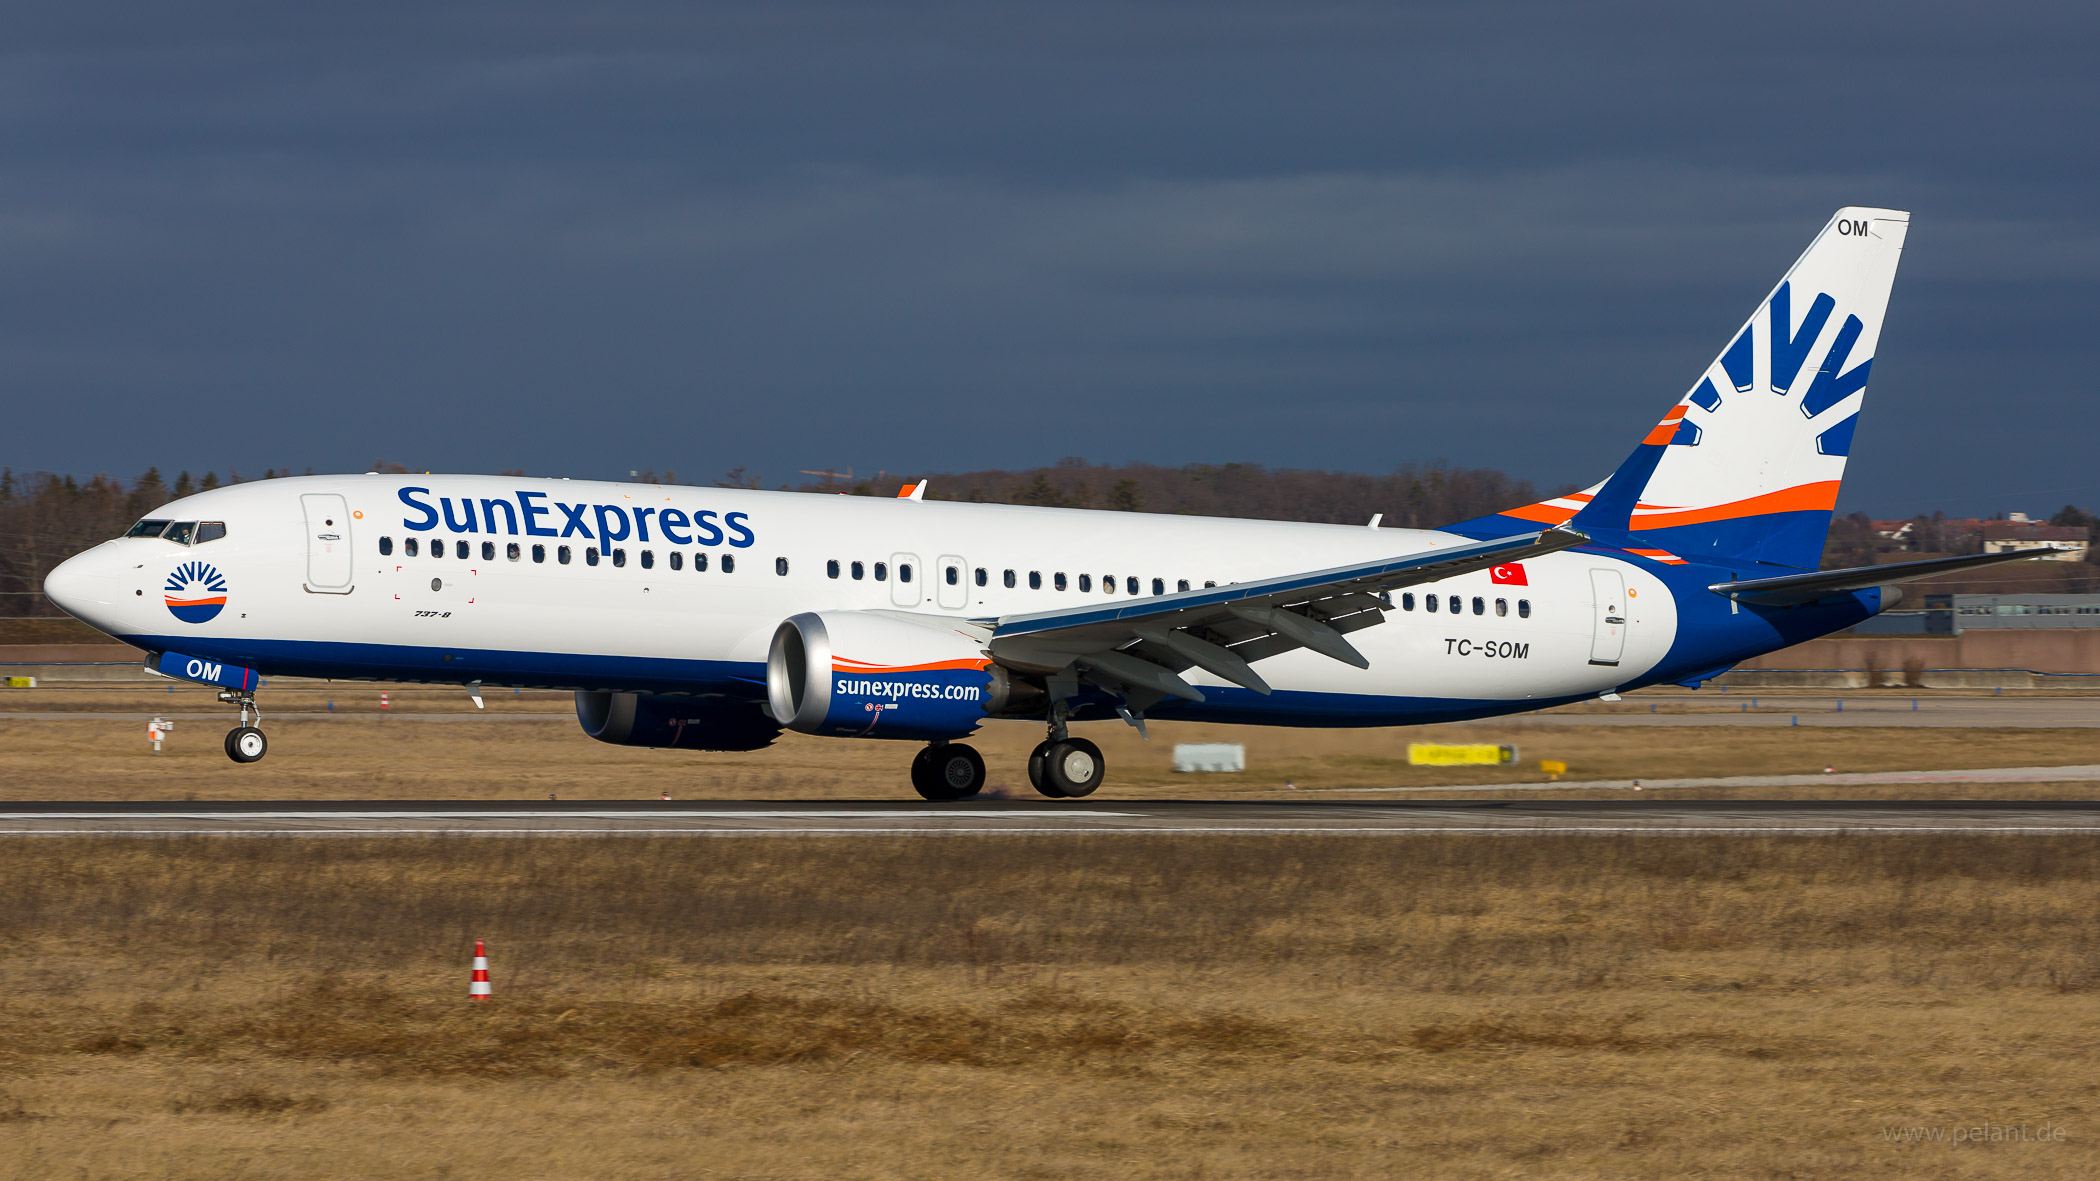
[(1108, 584), (728, 563), (831, 568), (699, 563), (512, 551), (488, 551), (983, 576), (181, 532), (1429, 602), (408, 547), (561, 555), (1209, 585), (1407, 601), (858, 570), (1501, 607), (1130, 585), (904, 572), (619, 556), (1480, 606), (147, 528), (460, 548), (437, 548), (1453, 604), (1057, 580), (1523, 608), (1159, 586), (590, 555), (210, 531), (1181, 584), (648, 559), (952, 576), (780, 567), (1008, 579), (1035, 580), (1086, 582), (882, 571), (386, 546), (539, 553), (676, 559)]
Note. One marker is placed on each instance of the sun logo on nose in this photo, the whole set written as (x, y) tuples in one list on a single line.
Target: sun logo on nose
[(196, 592)]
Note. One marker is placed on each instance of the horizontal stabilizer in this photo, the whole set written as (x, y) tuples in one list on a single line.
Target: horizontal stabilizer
[(1789, 589)]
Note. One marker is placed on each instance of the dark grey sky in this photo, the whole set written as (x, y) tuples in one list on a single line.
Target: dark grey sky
[(591, 237)]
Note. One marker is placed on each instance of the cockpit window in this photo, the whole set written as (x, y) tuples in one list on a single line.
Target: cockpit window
[(210, 531), (147, 528), (181, 532)]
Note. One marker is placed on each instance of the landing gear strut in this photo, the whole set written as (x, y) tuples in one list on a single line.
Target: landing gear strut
[(948, 771), (1064, 767), (245, 743)]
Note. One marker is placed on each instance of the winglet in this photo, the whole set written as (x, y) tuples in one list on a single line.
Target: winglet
[(912, 491)]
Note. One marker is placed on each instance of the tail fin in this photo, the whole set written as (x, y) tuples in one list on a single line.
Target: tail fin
[(1746, 466)]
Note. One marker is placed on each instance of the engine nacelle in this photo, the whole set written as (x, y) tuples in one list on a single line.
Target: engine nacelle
[(860, 674), (675, 720)]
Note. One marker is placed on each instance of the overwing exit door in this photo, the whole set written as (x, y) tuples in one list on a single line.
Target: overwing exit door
[(1608, 596), (327, 543)]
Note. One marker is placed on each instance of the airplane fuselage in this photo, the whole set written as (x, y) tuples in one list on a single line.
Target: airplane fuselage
[(664, 589)]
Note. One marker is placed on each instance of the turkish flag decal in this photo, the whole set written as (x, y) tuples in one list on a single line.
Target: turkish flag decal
[(1510, 575)]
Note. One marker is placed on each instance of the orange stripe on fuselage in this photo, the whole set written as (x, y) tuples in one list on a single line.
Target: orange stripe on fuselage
[(1820, 496), (841, 664), (1802, 498)]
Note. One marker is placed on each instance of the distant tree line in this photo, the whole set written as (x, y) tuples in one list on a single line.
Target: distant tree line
[(46, 518), (1415, 496)]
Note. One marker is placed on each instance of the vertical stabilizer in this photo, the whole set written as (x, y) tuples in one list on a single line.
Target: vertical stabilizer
[(1746, 465)]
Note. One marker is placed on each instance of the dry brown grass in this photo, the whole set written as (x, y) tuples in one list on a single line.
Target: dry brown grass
[(1046, 1006), (361, 754)]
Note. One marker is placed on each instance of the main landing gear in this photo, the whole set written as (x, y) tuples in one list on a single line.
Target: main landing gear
[(948, 771), (245, 743), (1064, 767)]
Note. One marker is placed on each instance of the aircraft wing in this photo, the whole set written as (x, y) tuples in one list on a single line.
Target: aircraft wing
[(1139, 647), (1789, 589)]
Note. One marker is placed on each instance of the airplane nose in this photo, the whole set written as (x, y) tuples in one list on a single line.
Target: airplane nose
[(79, 588)]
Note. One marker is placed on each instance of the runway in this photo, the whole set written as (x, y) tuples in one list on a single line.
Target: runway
[(1033, 817)]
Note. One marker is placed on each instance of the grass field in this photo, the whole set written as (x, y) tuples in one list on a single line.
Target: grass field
[(1046, 1007), (434, 745)]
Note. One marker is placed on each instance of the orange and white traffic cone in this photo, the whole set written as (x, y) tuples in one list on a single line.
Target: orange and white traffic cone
[(479, 989), (383, 703)]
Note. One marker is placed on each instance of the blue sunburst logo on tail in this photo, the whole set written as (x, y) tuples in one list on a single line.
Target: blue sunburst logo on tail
[(196, 592)]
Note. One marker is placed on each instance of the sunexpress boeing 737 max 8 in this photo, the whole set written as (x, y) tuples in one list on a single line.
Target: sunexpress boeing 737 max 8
[(711, 618)]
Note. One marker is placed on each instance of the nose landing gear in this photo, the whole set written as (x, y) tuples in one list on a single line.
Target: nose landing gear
[(245, 743)]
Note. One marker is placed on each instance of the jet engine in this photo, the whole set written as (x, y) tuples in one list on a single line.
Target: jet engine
[(864, 674), (675, 720)]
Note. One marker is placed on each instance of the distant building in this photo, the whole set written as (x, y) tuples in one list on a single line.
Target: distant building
[(2011, 536), (1947, 615)]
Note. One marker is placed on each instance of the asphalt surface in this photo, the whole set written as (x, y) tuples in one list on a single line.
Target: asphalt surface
[(1018, 817)]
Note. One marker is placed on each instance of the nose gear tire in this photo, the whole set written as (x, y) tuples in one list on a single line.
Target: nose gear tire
[(246, 744)]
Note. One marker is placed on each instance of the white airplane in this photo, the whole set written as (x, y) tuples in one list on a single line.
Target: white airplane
[(711, 618)]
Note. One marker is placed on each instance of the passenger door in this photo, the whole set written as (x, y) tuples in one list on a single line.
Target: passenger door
[(905, 580), (953, 588), (1608, 599), (328, 556)]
